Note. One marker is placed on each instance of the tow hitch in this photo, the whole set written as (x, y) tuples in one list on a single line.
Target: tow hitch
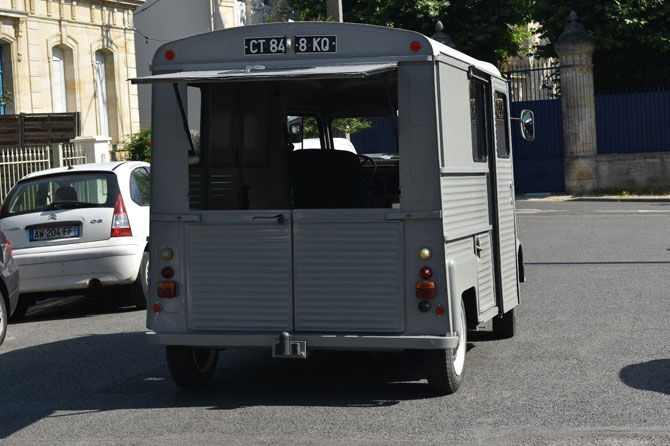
[(286, 348)]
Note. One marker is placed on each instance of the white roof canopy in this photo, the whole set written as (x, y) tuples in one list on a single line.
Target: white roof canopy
[(260, 72)]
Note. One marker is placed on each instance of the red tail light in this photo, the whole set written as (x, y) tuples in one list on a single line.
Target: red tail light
[(120, 222), (9, 245)]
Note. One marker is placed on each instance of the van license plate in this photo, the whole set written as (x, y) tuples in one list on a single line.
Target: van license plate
[(264, 45), (54, 233), (315, 44)]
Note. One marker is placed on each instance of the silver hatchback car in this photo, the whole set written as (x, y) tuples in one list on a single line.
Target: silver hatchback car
[(9, 284)]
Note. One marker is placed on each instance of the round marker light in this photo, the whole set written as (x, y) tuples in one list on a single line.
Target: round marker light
[(169, 54), (157, 308), (440, 310), (415, 46), (167, 254), (167, 272), (426, 273), (425, 253)]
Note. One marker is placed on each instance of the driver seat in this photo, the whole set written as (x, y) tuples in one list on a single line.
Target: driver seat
[(326, 179)]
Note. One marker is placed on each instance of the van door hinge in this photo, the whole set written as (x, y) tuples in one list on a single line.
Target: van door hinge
[(420, 215)]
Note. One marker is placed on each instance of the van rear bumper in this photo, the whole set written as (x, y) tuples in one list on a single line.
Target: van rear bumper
[(314, 341)]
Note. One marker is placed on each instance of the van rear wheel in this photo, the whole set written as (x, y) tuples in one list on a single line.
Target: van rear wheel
[(445, 367), (191, 368)]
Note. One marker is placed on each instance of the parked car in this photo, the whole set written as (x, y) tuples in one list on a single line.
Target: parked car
[(9, 284), (80, 227)]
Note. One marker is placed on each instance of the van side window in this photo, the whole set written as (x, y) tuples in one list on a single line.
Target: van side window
[(478, 113), (502, 134)]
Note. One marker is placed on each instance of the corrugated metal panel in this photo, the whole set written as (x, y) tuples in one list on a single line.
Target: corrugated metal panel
[(485, 291), (507, 233), (239, 277), (464, 202), (349, 277)]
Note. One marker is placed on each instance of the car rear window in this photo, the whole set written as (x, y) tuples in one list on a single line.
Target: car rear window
[(61, 191)]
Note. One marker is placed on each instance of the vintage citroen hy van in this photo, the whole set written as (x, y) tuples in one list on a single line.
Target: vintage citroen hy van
[(328, 186)]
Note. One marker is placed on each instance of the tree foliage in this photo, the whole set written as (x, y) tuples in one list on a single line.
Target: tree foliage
[(138, 145), (632, 38), (485, 29)]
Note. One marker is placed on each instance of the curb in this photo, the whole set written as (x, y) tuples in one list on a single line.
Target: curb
[(557, 198)]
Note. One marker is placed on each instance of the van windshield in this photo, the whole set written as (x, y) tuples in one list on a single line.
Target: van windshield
[(297, 144)]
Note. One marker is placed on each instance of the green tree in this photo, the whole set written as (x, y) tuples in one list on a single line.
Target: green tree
[(632, 38), (138, 145), (485, 29)]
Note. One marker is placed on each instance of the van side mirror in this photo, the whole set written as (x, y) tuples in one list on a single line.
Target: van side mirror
[(528, 125)]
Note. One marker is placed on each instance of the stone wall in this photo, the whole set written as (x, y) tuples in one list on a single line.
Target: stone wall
[(29, 29), (643, 172)]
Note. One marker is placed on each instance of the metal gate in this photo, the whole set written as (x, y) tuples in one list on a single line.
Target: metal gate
[(538, 164)]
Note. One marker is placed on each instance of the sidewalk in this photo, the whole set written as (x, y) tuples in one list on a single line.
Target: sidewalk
[(542, 196)]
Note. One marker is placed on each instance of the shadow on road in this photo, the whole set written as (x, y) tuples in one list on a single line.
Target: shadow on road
[(651, 375), (121, 371), (77, 306)]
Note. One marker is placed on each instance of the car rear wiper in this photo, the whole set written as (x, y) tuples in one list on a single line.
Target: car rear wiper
[(70, 205)]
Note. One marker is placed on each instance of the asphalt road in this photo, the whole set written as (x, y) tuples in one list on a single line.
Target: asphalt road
[(590, 365)]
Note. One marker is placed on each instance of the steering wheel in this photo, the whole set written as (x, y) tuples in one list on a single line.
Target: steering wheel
[(363, 160)]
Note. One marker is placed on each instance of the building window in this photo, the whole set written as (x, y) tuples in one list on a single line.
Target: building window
[(6, 84), (58, 80), (105, 85)]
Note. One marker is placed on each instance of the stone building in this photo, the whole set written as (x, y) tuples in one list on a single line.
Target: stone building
[(71, 56)]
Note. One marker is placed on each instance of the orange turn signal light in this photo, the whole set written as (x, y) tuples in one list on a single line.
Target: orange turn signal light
[(167, 289), (425, 289)]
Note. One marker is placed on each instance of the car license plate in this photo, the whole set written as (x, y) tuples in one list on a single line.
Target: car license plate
[(54, 233), (315, 44)]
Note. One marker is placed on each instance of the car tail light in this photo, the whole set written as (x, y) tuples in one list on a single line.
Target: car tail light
[(426, 273), (9, 245), (120, 222), (167, 289), (425, 290)]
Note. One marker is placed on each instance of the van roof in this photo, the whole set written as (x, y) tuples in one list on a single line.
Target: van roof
[(364, 44)]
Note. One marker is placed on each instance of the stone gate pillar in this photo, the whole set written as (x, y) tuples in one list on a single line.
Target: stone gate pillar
[(575, 48)]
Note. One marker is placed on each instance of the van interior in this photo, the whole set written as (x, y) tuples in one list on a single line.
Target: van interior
[(327, 143)]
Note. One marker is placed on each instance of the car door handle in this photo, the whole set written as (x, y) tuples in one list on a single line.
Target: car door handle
[(279, 218)]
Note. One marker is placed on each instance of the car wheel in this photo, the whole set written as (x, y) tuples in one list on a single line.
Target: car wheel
[(445, 368), (3, 318), (504, 327), (21, 309), (191, 368), (140, 288)]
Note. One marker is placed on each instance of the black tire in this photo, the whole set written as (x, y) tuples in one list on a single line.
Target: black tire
[(191, 368), (21, 309), (504, 326), (4, 316), (444, 374), (139, 290)]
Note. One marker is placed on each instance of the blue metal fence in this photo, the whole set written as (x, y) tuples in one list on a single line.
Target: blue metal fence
[(633, 122), (538, 164)]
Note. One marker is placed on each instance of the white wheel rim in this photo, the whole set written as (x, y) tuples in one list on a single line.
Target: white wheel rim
[(459, 353)]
